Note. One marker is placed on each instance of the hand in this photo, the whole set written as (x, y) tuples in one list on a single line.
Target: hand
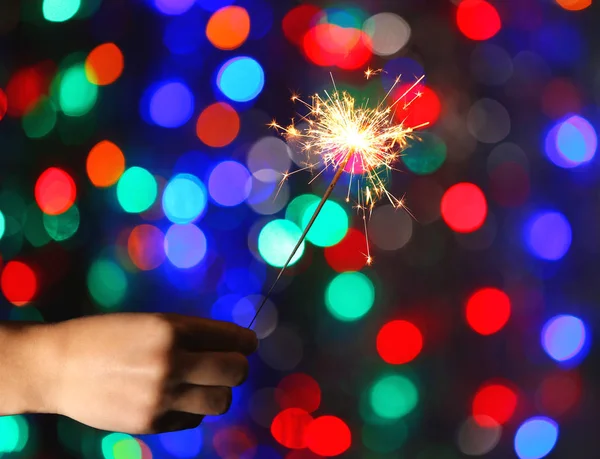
[(146, 373)]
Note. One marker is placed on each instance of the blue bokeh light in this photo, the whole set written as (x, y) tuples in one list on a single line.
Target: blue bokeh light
[(548, 235), (229, 183), (182, 34), (535, 438), (571, 142), (564, 337), (241, 79), (173, 7), (409, 68), (214, 5), (184, 199), (170, 104), (261, 13), (182, 444), (185, 245), (559, 43)]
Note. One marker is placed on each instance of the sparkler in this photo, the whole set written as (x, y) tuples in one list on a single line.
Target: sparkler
[(344, 136)]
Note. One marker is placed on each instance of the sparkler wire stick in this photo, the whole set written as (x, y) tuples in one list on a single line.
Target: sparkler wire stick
[(315, 214)]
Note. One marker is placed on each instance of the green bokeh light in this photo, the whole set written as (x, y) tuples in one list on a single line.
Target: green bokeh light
[(41, 120), (384, 438), (2, 224), (33, 227), (136, 190), (393, 396), (62, 227), (330, 227), (121, 446), (296, 208), (425, 155), (277, 240), (60, 10), (349, 296), (77, 95), (107, 283), (14, 434), (26, 314)]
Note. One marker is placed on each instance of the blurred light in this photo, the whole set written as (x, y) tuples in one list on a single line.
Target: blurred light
[(24, 90), (105, 164), (2, 224), (389, 33), (571, 142), (184, 199), (64, 226), (136, 190), (107, 283), (173, 7), (298, 390), (104, 64), (269, 154), (425, 156), (399, 341), (390, 228), (560, 97), (548, 235), (235, 442), (349, 253), (229, 183), (14, 434), (18, 282), (559, 43), (40, 120), (464, 207), (488, 121), (477, 19), (329, 44), (574, 5), (261, 12), (328, 436), (385, 438), (3, 104), (491, 64), (170, 104), (120, 446), (559, 393), (245, 310), (298, 21), (564, 337), (55, 191), (214, 5), (33, 226), (183, 35), (475, 439), (77, 96), (393, 396), (185, 245), (331, 224), (218, 125), (241, 79), (228, 28), (282, 350), (425, 107), (494, 404), (60, 10), (182, 444), (488, 310), (297, 207), (535, 438), (145, 246), (290, 426), (400, 66), (349, 296), (268, 196), (277, 240), (262, 406)]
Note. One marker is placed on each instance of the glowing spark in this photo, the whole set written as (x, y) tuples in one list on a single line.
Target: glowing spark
[(346, 136)]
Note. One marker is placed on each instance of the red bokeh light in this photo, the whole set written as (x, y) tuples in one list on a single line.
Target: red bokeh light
[(560, 97), (55, 191), (425, 106), (299, 390), (3, 104), (298, 21), (356, 56), (488, 310), (302, 454), (328, 45), (26, 87), (18, 282), (349, 253), (328, 436), (478, 19), (559, 393), (235, 441), (399, 341), (289, 427), (495, 401), (464, 207)]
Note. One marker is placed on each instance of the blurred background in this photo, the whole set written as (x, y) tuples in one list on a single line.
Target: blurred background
[(138, 173)]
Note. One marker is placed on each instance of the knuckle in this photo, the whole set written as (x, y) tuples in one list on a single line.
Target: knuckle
[(161, 331), (221, 400), (238, 369)]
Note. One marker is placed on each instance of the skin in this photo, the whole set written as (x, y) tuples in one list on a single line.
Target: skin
[(133, 373)]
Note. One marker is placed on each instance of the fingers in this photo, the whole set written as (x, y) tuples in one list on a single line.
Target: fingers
[(196, 334), (228, 369), (202, 400), (173, 421)]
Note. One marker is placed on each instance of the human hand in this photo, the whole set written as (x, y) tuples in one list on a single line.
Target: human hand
[(146, 373)]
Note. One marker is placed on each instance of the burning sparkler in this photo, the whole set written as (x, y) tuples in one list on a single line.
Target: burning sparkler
[(344, 136)]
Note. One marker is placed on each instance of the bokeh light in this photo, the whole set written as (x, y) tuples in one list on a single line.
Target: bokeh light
[(120, 446), (478, 19), (571, 142), (493, 404), (60, 10), (564, 337), (488, 310), (77, 96), (393, 396), (63, 226), (40, 120), (349, 253), (426, 156), (464, 207), (136, 190), (184, 444), (331, 224), (107, 284), (399, 341), (3, 104), (241, 79), (173, 7), (2, 224), (277, 240), (14, 434), (185, 245), (228, 28), (229, 183), (389, 33), (475, 439), (289, 427), (19, 283), (536, 438), (218, 125), (349, 296), (548, 235), (574, 5), (328, 436), (170, 104), (104, 64), (298, 390), (184, 199), (105, 164), (55, 191), (145, 246)]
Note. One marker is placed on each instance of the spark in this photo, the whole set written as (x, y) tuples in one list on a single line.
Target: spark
[(361, 140)]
